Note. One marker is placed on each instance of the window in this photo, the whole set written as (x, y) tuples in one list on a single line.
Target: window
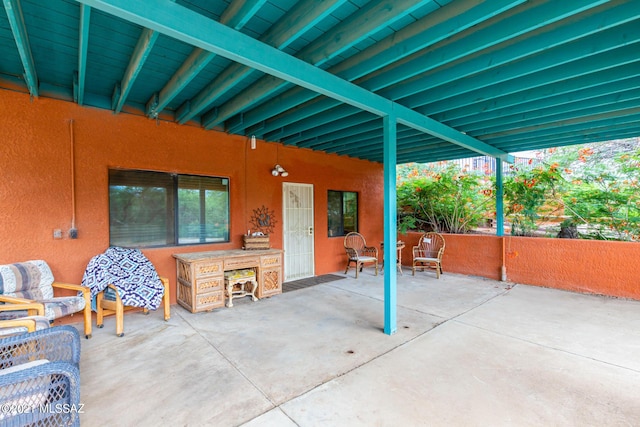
[(343, 212), (162, 209)]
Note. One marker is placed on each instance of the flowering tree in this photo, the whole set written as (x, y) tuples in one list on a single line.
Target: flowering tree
[(597, 190), (528, 196), (443, 198), (604, 197)]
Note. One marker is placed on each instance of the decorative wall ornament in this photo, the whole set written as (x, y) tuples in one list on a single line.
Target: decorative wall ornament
[(263, 220)]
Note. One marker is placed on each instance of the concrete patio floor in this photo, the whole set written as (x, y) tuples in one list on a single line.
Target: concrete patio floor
[(468, 352)]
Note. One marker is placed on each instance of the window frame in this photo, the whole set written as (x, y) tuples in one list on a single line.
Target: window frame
[(171, 183), (341, 230)]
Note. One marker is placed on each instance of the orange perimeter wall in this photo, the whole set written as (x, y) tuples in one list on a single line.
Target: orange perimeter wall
[(36, 185), (589, 266)]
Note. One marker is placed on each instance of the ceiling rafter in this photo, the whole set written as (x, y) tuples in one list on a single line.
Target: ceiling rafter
[(592, 84), (192, 28), (579, 63), (491, 35), (140, 53), (80, 76), (600, 43), (454, 80), (602, 132), (297, 22), (541, 95), (507, 74), (360, 123), (628, 115), (19, 30), (236, 15), (610, 102), (437, 26), (460, 44), (367, 21)]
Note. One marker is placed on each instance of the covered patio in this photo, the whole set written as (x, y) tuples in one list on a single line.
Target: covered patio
[(468, 351), (337, 92)]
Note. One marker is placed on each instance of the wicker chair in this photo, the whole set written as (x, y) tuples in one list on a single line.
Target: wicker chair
[(18, 318), (40, 378), (428, 253), (31, 284), (359, 253)]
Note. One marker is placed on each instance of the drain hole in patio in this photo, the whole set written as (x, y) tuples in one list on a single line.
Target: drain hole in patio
[(309, 281)]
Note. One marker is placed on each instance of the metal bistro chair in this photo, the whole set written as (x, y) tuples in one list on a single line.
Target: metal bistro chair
[(428, 253), (359, 253)]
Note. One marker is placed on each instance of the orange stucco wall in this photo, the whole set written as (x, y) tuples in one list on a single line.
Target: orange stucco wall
[(36, 186), (590, 266)]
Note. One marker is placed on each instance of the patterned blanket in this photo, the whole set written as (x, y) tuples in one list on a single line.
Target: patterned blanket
[(130, 272)]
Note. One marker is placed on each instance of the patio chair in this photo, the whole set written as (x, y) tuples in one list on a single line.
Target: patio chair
[(40, 378), (359, 253), (428, 253), (121, 278), (108, 302), (22, 325), (32, 283)]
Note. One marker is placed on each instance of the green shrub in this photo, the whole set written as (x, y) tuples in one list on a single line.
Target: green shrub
[(443, 199)]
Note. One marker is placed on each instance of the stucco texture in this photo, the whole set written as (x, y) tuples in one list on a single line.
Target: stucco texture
[(588, 266), (37, 189)]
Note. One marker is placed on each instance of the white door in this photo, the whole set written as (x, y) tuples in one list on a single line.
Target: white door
[(297, 202)]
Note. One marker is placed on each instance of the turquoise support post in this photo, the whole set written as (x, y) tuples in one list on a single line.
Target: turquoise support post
[(499, 199), (390, 226)]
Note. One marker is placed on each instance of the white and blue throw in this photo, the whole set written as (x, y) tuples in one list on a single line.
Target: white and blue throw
[(130, 272)]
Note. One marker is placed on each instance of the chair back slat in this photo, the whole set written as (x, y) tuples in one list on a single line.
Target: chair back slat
[(354, 242), (431, 245)]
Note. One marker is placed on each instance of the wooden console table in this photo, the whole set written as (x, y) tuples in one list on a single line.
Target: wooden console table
[(200, 284)]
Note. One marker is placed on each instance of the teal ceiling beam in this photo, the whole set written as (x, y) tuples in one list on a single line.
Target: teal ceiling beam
[(538, 79), (567, 93), (236, 15), (303, 16), (301, 112), (557, 129), (363, 124), (83, 46), (367, 133), (373, 146), (140, 53), (338, 122), (583, 108), (539, 98), (190, 27), (514, 25), (239, 12), (604, 132), (436, 26), (19, 31), (368, 21), (548, 62)]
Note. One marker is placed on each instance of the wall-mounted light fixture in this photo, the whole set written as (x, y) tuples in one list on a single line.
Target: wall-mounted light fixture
[(279, 171), (253, 142)]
